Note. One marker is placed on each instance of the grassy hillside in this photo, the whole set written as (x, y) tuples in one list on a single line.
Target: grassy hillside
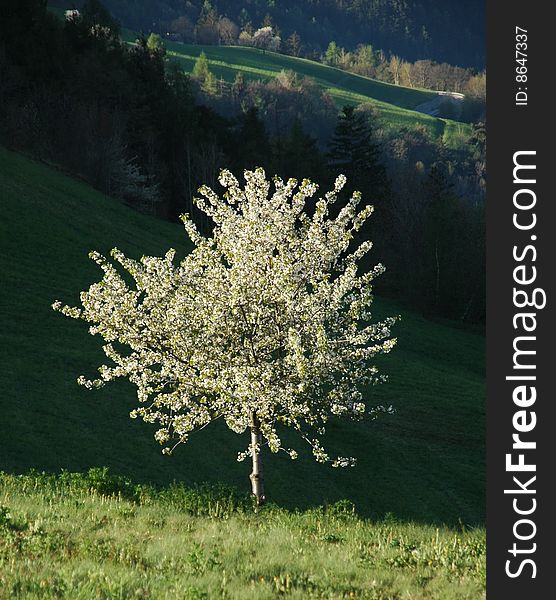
[(395, 103), (425, 463), (63, 539), (258, 64)]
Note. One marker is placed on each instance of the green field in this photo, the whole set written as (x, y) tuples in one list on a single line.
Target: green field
[(394, 103), (425, 463), (255, 63)]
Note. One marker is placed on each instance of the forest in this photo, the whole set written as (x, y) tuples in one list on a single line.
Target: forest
[(412, 29)]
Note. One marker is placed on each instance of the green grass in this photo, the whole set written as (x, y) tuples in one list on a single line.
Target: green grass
[(425, 463), (73, 537), (259, 64)]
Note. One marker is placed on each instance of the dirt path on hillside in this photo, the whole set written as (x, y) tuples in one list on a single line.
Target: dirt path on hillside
[(437, 105)]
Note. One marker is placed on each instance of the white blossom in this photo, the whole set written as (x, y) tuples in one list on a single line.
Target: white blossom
[(72, 15), (269, 316), (264, 38)]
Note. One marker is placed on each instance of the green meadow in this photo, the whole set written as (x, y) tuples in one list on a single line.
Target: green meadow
[(96, 536), (257, 64), (425, 462), (395, 104)]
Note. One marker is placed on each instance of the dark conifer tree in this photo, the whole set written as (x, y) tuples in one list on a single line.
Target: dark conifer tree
[(441, 222), (206, 30), (253, 149), (354, 153)]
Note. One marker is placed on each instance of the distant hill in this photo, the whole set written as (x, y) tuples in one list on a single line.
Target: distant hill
[(424, 463), (451, 31), (396, 104)]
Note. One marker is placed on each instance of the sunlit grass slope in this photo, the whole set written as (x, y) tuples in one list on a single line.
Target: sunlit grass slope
[(259, 64), (63, 539), (395, 104), (424, 463)]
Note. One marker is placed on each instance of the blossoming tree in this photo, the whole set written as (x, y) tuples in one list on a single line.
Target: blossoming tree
[(265, 322)]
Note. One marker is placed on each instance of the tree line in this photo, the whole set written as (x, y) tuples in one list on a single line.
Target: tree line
[(136, 127), (451, 32), (390, 68), (212, 27)]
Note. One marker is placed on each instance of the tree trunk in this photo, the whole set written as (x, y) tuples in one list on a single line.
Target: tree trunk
[(257, 480)]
